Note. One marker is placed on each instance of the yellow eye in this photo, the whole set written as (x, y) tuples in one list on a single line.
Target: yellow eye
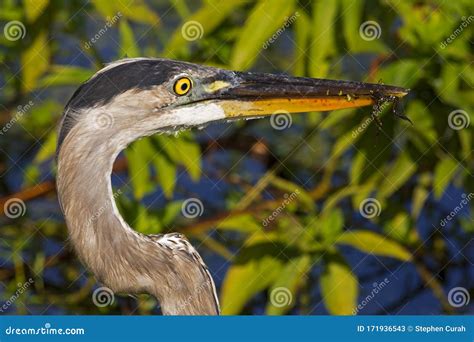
[(182, 86)]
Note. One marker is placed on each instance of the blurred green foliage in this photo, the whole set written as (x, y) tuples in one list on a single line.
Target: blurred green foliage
[(401, 166)]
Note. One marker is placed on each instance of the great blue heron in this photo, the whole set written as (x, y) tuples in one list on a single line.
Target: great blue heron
[(133, 98)]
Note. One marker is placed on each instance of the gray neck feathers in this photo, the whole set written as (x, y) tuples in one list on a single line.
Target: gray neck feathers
[(167, 266)]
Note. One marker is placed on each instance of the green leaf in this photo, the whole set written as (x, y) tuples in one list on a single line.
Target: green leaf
[(171, 211), (210, 16), (398, 174), (34, 8), (128, 44), (190, 156), (106, 8), (165, 173), (405, 72), (331, 225), (294, 191), (357, 167), (61, 75), (265, 19), (347, 140), (420, 194), (46, 151), (137, 215), (339, 286), (373, 243), (256, 267), (352, 11), (138, 156), (424, 36), (242, 223), (322, 46), (423, 134), (136, 10), (290, 279), (465, 138), (399, 227), (443, 173), (302, 35), (183, 151), (144, 222), (355, 190), (48, 148), (35, 61)]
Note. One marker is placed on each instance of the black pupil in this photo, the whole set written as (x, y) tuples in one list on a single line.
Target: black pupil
[(184, 86)]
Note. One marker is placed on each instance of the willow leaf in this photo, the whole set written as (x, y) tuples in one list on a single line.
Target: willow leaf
[(373, 243)]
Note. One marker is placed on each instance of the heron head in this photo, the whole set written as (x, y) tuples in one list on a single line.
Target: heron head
[(142, 96)]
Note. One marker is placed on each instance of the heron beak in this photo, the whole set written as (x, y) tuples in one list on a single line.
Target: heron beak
[(255, 94)]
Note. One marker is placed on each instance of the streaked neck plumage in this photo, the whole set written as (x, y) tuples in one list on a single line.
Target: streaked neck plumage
[(166, 266)]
